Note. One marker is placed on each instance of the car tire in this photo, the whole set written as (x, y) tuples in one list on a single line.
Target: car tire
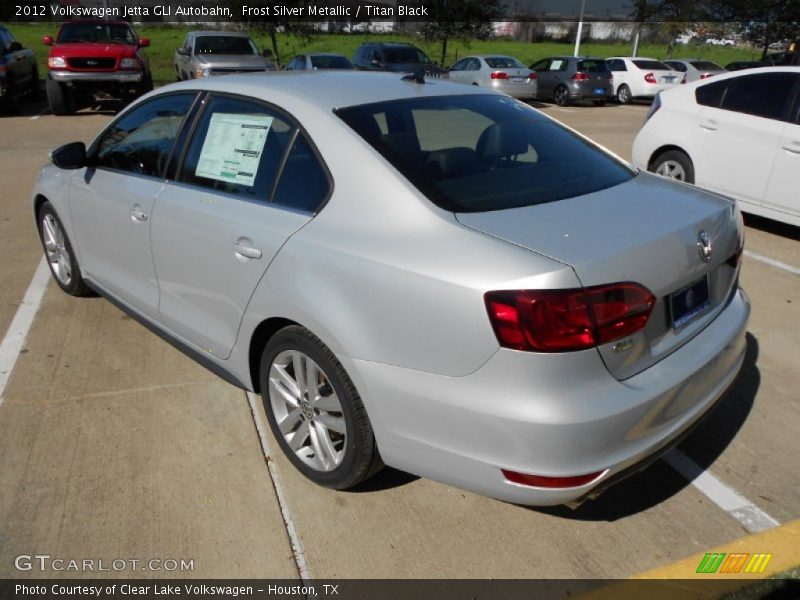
[(59, 254), (624, 95), (673, 164), (561, 95), (146, 85), (58, 98), (336, 446)]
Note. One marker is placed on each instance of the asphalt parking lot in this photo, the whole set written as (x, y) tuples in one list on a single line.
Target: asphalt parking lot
[(113, 445)]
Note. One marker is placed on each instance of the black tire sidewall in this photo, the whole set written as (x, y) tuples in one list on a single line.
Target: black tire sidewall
[(358, 451), (76, 287), (58, 98)]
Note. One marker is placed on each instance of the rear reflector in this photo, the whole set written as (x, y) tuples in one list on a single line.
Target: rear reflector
[(499, 75), (568, 320), (544, 481)]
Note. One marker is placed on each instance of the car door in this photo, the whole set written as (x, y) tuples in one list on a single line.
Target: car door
[(736, 141), (619, 72), (782, 193), (248, 181), (458, 71), (111, 200), (545, 78)]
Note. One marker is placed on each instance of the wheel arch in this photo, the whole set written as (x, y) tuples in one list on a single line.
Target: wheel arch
[(258, 341), (38, 202)]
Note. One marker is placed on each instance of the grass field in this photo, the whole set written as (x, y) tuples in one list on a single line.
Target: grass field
[(164, 40)]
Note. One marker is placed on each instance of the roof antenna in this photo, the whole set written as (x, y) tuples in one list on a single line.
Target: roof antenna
[(417, 76)]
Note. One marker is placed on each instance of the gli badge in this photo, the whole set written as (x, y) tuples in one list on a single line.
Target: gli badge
[(704, 245)]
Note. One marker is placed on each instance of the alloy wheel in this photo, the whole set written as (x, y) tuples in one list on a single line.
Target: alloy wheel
[(56, 248), (671, 169), (307, 410), (562, 96)]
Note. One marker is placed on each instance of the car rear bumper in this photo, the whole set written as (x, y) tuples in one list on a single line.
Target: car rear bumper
[(591, 90), (547, 414), (107, 77), (515, 90)]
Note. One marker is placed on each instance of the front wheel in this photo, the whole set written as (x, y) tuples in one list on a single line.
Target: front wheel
[(315, 412), (674, 164), (58, 251), (562, 95)]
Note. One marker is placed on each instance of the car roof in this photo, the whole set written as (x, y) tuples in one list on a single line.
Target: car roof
[(682, 89), (206, 33), (326, 90)]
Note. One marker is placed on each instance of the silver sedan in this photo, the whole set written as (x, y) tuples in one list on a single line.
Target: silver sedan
[(501, 73), (419, 274)]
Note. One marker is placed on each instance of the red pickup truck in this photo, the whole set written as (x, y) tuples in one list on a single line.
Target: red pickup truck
[(92, 57)]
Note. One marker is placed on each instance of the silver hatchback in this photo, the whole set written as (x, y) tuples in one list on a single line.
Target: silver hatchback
[(420, 274)]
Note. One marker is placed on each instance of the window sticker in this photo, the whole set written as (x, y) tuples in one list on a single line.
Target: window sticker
[(556, 65), (233, 147)]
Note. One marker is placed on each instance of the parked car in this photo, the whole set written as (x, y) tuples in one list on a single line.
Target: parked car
[(501, 73), (694, 68), (95, 56), (396, 57), (509, 318), (319, 60), (744, 64), (737, 134), (640, 78), (566, 79), (208, 53), (19, 75)]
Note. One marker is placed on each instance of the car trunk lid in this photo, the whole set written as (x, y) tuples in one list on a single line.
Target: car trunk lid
[(648, 231)]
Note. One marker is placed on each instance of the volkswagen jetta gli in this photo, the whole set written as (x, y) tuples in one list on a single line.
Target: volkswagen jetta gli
[(418, 274)]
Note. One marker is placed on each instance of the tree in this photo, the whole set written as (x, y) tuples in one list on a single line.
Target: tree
[(762, 22), (676, 15), (459, 19)]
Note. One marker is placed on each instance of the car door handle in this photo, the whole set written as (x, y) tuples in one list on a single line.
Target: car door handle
[(137, 214), (793, 147), (709, 125), (246, 252)]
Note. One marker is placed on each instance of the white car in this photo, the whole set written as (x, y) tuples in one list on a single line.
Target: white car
[(738, 134), (638, 77)]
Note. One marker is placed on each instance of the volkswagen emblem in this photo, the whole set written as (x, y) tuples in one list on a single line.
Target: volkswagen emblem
[(704, 245), (92, 63)]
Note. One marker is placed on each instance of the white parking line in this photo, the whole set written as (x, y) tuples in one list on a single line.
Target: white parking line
[(752, 518), (17, 333), (294, 540), (772, 262)]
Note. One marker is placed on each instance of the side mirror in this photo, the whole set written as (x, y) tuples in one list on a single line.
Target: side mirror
[(69, 156), (47, 40), (183, 51), (144, 42), (15, 47)]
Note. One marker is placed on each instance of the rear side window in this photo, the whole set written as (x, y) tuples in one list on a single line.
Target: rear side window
[(141, 141), (705, 65), (651, 65), (593, 66), (484, 152), (677, 66), (711, 94), (330, 62), (303, 183), (237, 148), (764, 95), (616, 64)]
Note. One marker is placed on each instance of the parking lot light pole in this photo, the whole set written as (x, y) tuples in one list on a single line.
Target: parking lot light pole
[(580, 28)]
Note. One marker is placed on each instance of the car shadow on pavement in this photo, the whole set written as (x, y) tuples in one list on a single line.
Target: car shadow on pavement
[(386, 479), (790, 232), (660, 482)]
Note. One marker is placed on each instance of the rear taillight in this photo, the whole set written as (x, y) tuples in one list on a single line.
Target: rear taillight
[(580, 77), (499, 75), (650, 78), (546, 481), (568, 320), (705, 75), (533, 75)]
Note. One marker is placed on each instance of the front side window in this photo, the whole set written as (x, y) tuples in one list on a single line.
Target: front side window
[(330, 62), (764, 95), (705, 65), (141, 141), (484, 152), (503, 62), (460, 65), (401, 55), (592, 66), (616, 65), (651, 65), (677, 66), (541, 65)]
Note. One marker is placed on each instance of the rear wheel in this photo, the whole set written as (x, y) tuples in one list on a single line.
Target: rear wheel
[(58, 98), (58, 251), (315, 412), (561, 95), (674, 164), (624, 95)]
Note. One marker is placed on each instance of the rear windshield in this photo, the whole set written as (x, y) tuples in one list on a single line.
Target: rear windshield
[(330, 62), (224, 44), (651, 65), (404, 55), (593, 66), (96, 32), (705, 65), (503, 62), (477, 153)]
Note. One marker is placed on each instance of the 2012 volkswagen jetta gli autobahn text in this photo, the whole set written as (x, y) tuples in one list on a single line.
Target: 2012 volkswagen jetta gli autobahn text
[(412, 273)]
